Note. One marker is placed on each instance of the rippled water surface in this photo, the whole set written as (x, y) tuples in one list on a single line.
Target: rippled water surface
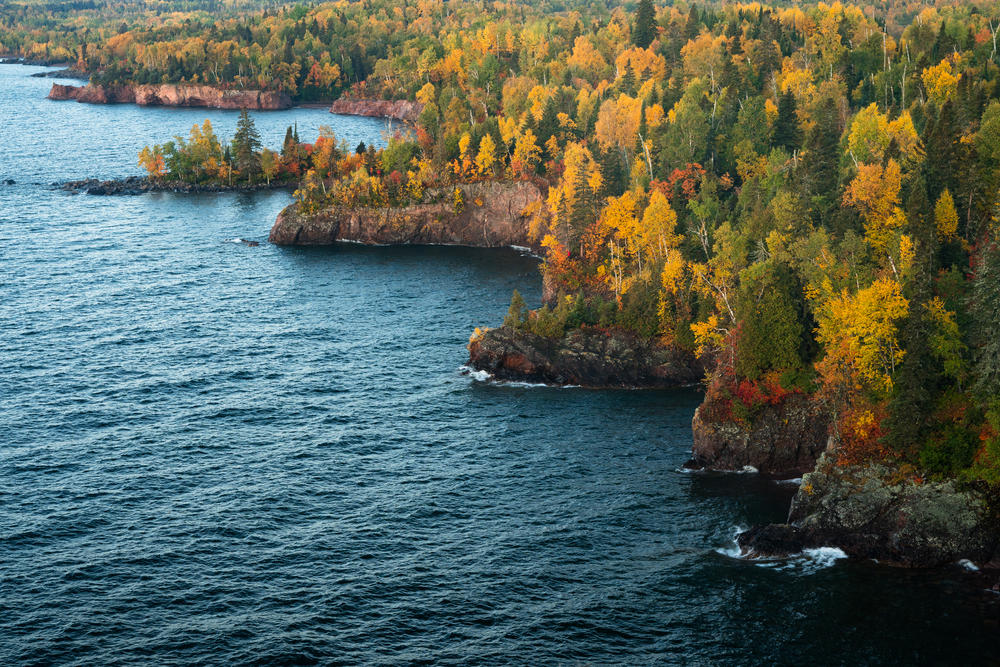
[(219, 454)]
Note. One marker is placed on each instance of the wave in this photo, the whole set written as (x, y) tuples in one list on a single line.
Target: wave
[(486, 376), (807, 562)]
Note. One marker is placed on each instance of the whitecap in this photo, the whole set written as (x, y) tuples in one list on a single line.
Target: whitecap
[(797, 480), (747, 469), (734, 551), (825, 556), (968, 565)]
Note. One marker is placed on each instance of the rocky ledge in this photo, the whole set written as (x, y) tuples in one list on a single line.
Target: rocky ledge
[(784, 438), (876, 512), (589, 357), (493, 214), (135, 185), (173, 95), (400, 110)]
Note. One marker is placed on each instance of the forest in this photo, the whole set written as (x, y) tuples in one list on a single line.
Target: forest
[(808, 194)]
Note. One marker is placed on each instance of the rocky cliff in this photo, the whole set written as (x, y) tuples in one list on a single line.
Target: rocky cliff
[(400, 109), (789, 437), (876, 512), (492, 215), (590, 357), (173, 95)]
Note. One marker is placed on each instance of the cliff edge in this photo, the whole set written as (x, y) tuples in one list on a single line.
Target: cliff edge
[(493, 214), (588, 356), (173, 95), (399, 110)]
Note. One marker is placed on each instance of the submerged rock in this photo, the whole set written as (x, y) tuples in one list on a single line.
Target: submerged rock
[(782, 438), (493, 215), (876, 512), (589, 357)]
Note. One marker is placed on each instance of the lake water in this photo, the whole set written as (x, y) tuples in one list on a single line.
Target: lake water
[(215, 454)]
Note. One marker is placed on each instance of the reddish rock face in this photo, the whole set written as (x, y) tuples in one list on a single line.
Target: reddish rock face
[(173, 96), (400, 109), (493, 215)]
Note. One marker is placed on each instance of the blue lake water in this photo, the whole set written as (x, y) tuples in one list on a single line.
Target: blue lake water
[(219, 454)]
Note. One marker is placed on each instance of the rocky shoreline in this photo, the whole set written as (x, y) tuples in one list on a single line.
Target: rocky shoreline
[(173, 95), (136, 185), (587, 357), (492, 214), (876, 512), (403, 110)]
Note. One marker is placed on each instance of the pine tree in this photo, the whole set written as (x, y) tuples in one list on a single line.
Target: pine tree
[(246, 144), (787, 133), (612, 174), (645, 24), (289, 142)]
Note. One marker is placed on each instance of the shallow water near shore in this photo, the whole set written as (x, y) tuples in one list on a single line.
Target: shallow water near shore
[(220, 454)]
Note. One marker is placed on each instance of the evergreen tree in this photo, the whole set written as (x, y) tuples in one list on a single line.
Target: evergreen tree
[(942, 149), (693, 26), (612, 174), (821, 160), (246, 144), (984, 307), (548, 127), (914, 380), (787, 133), (626, 83), (288, 144), (644, 31)]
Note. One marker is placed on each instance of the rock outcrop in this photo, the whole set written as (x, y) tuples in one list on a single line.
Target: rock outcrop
[(789, 437), (493, 214), (400, 110), (136, 185), (876, 512), (588, 356), (173, 95)]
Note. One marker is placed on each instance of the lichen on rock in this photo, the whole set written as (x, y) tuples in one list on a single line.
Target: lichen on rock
[(875, 511)]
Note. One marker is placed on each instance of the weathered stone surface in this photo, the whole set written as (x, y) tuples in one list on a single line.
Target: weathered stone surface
[(492, 216), (874, 512), (400, 110), (590, 357), (173, 95), (784, 438)]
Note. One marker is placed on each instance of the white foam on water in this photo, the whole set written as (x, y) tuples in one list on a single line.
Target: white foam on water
[(234, 240), (797, 480), (482, 376), (825, 556), (968, 565), (734, 551), (747, 469)]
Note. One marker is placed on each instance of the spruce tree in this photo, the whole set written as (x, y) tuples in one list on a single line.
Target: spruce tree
[(984, 307), (821, 160), (645, 24), (914, 380), (787, 134), (288, 143), (246, 144)]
